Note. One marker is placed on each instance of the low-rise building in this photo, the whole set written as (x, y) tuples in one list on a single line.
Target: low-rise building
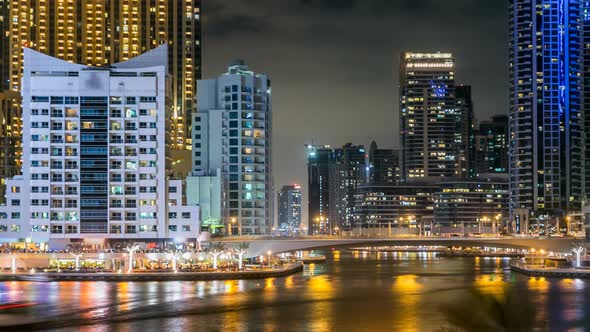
[(206, 192), (401, 209), (471, 206)]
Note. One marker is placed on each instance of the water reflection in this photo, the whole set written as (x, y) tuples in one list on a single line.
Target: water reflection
[(353, 291), (406, 289)]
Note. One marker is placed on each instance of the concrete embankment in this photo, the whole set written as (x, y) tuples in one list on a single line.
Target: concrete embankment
[(312, 259), (551, 272), (481, 254), (152, 276), (372, 250)]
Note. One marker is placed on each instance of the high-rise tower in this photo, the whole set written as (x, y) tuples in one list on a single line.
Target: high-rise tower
[(428, 116), (464, 131), (232, 132), (546, 125), (289, 206), (101, 32)]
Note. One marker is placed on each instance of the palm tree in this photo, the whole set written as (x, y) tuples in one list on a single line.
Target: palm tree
[(76, 249), (484, 312), (578, 248), (174, 255), (131, 248), (241, 249), (216, 249)]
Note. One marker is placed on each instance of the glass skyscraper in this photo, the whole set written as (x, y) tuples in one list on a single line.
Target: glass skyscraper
[(546, 127)]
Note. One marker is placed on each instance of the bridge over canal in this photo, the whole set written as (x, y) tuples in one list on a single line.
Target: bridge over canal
[(260, 246)]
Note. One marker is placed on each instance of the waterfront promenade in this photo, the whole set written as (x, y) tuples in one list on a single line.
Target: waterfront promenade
[(249, 273)]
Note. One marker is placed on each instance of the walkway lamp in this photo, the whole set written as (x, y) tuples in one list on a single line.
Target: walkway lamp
[(269, 253), (231, 226)]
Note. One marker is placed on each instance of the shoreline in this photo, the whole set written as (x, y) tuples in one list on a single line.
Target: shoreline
[(442, 252), (312, 259), (371, 250), (150, 276), (551, 273), (482, 255)]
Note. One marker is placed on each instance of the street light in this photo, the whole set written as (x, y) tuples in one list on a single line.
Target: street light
[(231, 227), (269, 253)]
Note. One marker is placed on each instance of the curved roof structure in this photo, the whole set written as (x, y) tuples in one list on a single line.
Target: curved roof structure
[(37, 61)]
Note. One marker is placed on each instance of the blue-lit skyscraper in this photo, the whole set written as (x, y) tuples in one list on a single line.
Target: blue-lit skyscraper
[(586, 107), (546, 128)]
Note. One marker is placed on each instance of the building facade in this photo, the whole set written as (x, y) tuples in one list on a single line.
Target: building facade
[(289, 208), (546, 128), (471, 206), (101, 32), (491, 146), (232, 131), (347, 172), (206, 191), (428, 116), (10, 138), (334, 175), (382, 166), (318, 198), (95, 162), (464, 131), (406, 209), (586, 106)]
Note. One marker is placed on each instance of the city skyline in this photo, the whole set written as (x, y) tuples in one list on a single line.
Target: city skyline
[(325, 109), (444, 147)]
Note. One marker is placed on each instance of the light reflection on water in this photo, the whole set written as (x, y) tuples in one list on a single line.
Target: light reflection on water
[(353, 291)]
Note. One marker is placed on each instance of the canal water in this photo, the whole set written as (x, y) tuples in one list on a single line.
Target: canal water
[(352, 291)]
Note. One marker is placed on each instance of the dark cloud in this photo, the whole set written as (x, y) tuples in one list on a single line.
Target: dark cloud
[(237, 24), (221, 20), (330, 4), (465, 8)]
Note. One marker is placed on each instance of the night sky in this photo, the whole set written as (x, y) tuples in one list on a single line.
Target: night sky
[(333, 63)]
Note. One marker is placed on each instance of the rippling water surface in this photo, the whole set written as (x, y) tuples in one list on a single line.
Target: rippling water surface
[(351, 292)]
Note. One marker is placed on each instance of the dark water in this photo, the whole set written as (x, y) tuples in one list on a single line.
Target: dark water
[(351, 292)]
